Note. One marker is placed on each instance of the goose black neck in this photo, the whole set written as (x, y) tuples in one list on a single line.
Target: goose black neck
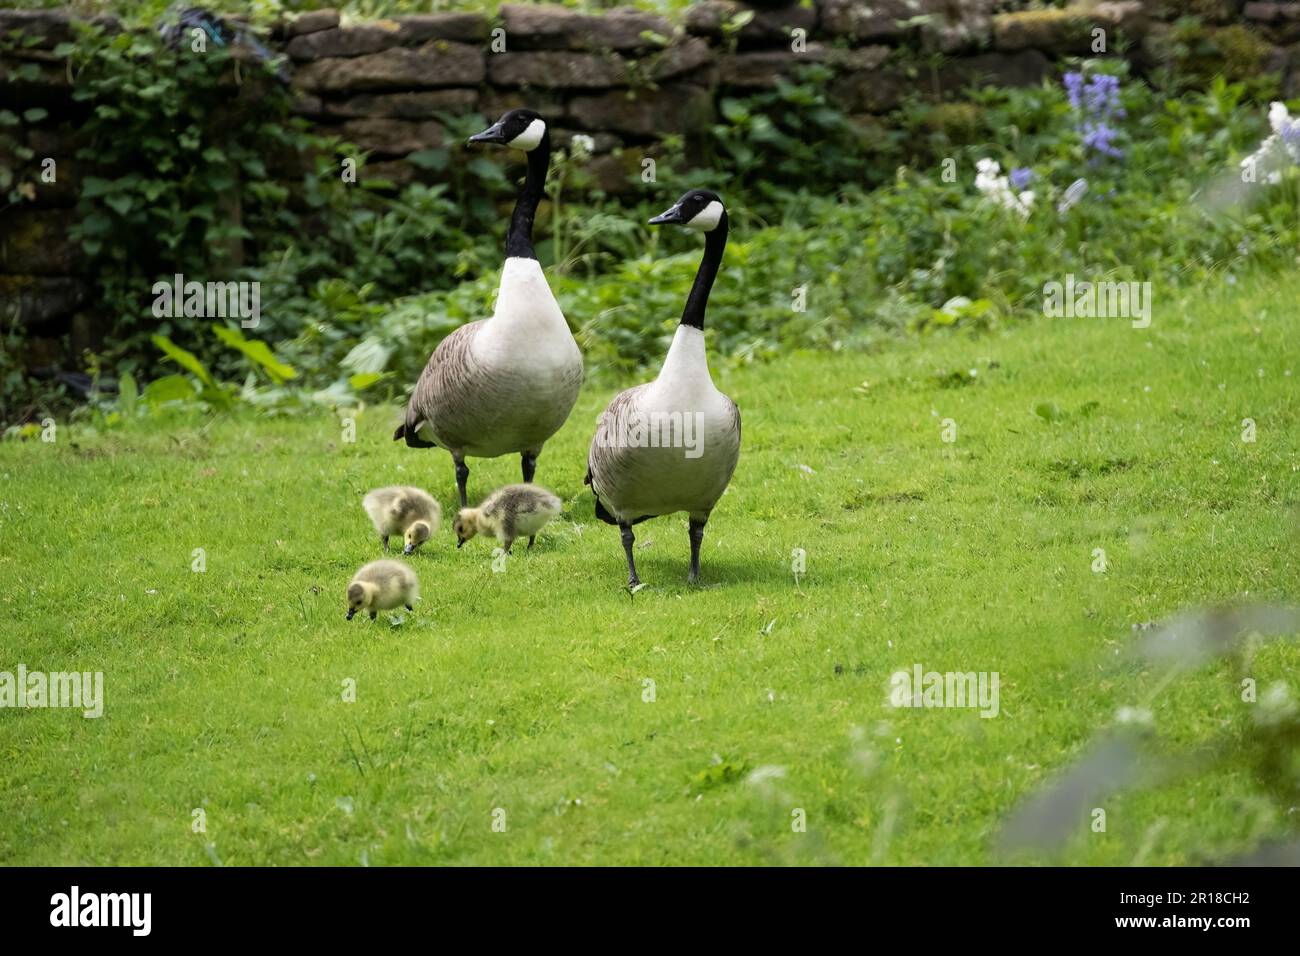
[(714, 243), (519, 240)]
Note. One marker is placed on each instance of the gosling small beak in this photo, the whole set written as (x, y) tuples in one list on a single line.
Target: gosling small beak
[(493, 134), (673, 215), (409, 549), (351, 612)]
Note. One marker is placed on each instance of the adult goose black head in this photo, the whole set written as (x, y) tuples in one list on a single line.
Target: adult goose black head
[(700, 210), (523, 130)]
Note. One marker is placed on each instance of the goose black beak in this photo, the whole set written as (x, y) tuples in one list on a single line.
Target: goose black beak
[(673, 215), (493, 134), (460, 543), (351, 613)]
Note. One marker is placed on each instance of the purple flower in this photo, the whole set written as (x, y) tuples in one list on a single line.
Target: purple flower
[(1102, 93), (1073, 87), (1098, 137), (1096, 104), (1021, 177)]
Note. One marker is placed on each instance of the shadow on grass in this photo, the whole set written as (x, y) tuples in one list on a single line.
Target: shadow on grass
[(667, 572)]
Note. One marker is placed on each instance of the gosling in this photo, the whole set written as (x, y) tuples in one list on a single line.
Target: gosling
[(410, 512), (508, 513), (382, 586)]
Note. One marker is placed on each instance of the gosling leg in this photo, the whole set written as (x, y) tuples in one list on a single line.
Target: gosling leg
[(628, 539), (696, 532)]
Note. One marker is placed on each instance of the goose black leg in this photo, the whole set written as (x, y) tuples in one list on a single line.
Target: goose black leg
[(628, 538), (462, 478), (411, 609), (528, 461), (531, 539), (697, 538), (385, 544)]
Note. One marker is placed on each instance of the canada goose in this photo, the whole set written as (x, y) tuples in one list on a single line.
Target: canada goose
[(382, 586), (508, 513), (504, 384), (398, 509), (672, 444)]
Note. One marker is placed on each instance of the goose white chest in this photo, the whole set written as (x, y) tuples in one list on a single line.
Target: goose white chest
[(524, 368), (527, 332), (641, 477), (684, 385)]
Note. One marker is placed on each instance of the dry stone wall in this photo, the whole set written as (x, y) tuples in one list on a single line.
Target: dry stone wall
[(625, 77)]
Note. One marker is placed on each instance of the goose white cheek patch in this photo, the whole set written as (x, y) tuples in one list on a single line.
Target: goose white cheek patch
[(530, 137), (707, 218)]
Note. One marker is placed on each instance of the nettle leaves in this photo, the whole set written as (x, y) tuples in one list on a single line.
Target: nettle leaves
[(259, 353), (179, 388), (174, 164)]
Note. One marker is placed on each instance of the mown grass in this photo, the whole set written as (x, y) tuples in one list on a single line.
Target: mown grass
[(523, 690)]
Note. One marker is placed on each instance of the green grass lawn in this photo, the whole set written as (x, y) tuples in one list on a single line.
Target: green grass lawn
[(524, 690)]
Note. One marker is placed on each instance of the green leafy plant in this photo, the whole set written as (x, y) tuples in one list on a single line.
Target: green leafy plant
[(793, 137), (215, 394)]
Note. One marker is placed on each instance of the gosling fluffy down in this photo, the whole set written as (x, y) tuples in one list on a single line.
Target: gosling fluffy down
[(382, 586), (410, 512), (514, 511)]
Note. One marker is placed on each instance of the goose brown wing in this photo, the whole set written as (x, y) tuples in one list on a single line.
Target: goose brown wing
[(603, 460), (735, 418), (438, 397), (606, 444)]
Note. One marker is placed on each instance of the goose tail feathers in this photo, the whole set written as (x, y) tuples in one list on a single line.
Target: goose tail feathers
[(412, 437), (604, 515)]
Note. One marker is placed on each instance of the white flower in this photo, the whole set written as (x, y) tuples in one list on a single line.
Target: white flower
[(582, 144), (996, 188), (1278, 116), (1073, 193), (1278, 149)]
